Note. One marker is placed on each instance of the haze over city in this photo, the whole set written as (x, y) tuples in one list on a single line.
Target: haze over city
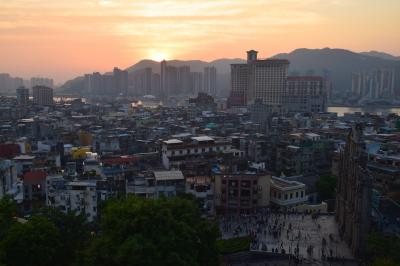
[(64, 39)]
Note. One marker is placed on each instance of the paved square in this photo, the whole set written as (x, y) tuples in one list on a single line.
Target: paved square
[(311, 238)]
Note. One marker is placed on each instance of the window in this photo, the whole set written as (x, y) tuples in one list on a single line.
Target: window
[(297, 194), (291, 195), (302, 194), (286, 196)]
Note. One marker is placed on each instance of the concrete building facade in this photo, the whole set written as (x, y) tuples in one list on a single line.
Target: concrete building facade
[(354, 193), (42, 95)]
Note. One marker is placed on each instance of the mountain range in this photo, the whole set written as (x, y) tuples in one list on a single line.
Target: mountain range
[(381, 55), (336, 64)]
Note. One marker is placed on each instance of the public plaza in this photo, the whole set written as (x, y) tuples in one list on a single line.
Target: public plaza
[(307, 238)]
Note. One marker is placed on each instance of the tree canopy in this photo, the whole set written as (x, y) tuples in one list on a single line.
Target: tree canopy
[(326, 187), (383, 250), (8, 210), (131, 231), (135, 231), (36, 242)]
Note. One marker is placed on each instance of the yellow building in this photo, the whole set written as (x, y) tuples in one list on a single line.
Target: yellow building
[(79, 152)]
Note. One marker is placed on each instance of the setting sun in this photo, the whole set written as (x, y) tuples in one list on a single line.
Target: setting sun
[(159, 56)]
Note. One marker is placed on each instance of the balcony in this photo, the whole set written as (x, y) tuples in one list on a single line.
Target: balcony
[(289, 202)]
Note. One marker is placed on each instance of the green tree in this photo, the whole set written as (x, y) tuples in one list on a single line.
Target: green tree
[(36, 242), (144, 232), (74, 234), (384, 262), (326, 187), (8, 210), (383, 249)]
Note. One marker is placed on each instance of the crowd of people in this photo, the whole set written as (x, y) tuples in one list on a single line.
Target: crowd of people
[(302, 235)]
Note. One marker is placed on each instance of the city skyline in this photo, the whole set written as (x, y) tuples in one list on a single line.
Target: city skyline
[(64, 39)]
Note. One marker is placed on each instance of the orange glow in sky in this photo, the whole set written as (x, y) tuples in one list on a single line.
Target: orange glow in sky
[(65, 38)]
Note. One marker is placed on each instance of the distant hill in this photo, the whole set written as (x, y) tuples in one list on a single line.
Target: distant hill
[(381, 55), (337, 64), (73, 86)]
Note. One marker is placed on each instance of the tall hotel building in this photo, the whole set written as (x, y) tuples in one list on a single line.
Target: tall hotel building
[(169, 80), (22, 96), (259, 79), (305, 94), (42, 95), (163, 80), (239, 74), (210, 80)]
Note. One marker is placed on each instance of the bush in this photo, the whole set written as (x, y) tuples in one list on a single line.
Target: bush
[(233, 245)]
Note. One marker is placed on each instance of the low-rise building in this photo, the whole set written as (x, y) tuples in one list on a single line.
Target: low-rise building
[(202, 188), (81, 196), (156, 184), (34, 190), (169, 183), (241, 193), (287, 194), (175, 152)]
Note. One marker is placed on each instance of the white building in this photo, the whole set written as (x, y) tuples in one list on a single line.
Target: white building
[(287, 194), (78, 196), (23, 163), (156, 184), (259, 79), (176, 151), (169, 183), (141, 185), (266, 80), (92, 163)]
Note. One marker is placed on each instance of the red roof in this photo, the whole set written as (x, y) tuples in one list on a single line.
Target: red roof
[(120, 160), (9, 150), (236, 100), (35, 176)]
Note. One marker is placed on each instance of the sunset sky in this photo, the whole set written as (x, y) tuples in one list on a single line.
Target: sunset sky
[(65, 38)]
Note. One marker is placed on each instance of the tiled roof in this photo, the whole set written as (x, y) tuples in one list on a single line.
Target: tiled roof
[(120, 160), (35, 176)]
